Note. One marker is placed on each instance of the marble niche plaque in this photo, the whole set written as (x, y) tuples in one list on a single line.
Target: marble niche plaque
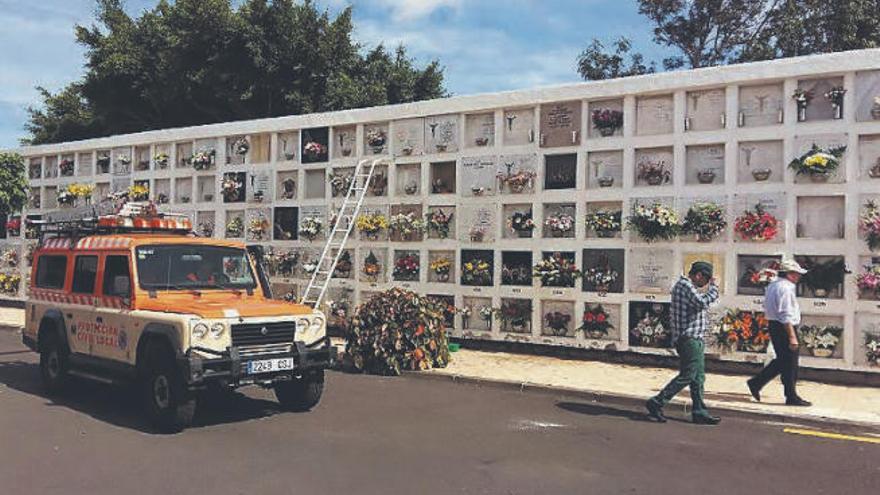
[(261, 148), (409, 137), (473, 320), (561, 124), (478, 173), (441, 134), (820, 217), (706, 110), (479, 223), (802, 144), (517, 166), (649, 270), (820, 108), (288, 143), (867, 96), (259, 186), (604, 169), (315, 182), (409, 179), (760, 161), (772, 203), (286, 186), (761, 105), (704, 164), (869, 157), (233, 158), (599, 106), (479, 130), (654, 115), (84, 164), (344, 141), (661, 159), (518, 126)]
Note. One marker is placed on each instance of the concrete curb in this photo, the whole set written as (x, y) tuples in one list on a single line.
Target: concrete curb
[(632, 401)]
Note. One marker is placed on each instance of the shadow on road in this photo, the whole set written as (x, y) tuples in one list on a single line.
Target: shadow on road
[(597, 410), (121, 405)]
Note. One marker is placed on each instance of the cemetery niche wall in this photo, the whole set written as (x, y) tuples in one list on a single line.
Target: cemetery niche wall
[(477, 196)]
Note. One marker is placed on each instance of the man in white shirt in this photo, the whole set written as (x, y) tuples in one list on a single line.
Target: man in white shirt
[(782, 310)]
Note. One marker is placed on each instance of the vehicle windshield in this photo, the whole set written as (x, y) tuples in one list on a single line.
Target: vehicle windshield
[(183, 267)]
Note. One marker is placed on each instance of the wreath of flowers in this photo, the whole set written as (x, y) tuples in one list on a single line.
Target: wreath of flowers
[(439, 222), (235, 227), (311, 227), (605, 223), (476, 272), (241, 146), (556, 270), (9, 284), (521, 221), (607, 119), (743, 331), (868, 281), (406, 267), (596, 322), (340, 182), (869, 224), (704, 220), (818, 161), (371, 224), (655, 222), (756, 225), (560, 223), (406, 224), (202, 159), (315, 149)]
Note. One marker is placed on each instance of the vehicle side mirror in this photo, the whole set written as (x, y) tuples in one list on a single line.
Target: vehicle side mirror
[(122, 286)]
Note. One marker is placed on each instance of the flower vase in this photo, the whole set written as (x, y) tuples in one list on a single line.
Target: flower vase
[(762, 174), (875, 112), (441, 148), (820, 177), (605, 234), (701, 237), (606, 131), (346, 151), (874, 172), (606, 181), (595, 334), (838, 111), (654, 180), (802, 113), (524, 234), (706, 176), (556, 233), (822, 293), (442, 277), (821, 352), (377, 150), (517, 188), (602, 289)]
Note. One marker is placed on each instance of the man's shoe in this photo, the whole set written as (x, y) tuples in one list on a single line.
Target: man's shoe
[(655, 411), (705, 419), (797, 401), (756, 392)]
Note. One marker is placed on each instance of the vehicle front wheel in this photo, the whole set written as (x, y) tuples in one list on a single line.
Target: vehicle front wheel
[(301, 394), (54, 363), (171, 407)]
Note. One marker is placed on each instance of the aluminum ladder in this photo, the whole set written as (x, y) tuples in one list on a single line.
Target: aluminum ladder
[(341, 230)]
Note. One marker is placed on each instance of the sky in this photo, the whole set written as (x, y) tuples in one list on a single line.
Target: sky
[(484, 45)]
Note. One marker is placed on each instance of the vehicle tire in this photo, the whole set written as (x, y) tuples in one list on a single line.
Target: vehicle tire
[(300, 394), (170, 406), (54, 363)]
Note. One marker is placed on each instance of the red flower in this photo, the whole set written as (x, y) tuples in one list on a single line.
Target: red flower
[(589, 317), (600, 318)]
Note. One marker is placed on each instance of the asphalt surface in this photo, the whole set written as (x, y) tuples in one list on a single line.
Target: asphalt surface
[(398, 435)]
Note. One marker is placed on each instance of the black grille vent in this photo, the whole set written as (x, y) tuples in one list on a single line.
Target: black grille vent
[(252, 333)]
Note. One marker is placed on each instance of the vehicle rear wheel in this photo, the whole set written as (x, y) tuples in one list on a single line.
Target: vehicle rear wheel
[(301, 394), (54, 363), (171, 407)]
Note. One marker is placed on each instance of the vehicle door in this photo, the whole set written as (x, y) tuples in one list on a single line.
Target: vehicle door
[(114, 322), (49, 289), (80, 315)]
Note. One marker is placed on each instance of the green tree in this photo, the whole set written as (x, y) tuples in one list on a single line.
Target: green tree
[(195, 62), (14, 192), (595, 63)]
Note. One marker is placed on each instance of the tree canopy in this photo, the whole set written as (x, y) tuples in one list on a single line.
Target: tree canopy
[(14, 192), (195, 62), (705, 33)]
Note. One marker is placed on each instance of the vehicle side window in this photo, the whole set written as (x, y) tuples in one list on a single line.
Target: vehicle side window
[(85, 273), (117, 277), (51, 271)]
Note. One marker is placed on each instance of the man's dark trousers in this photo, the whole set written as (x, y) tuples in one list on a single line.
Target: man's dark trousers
[(692, 374), (785, 364)]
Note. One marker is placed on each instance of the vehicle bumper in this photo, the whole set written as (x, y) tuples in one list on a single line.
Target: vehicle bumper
[(229, 367)]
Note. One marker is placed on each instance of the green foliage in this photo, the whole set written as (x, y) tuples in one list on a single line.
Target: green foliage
[(398, 330), (595, 63), (14, 192), (195, 62)]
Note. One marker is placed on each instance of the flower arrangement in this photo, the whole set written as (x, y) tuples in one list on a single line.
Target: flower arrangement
[(476, 272), (704, 220), (607, 121), (376, 139), (605, 223), (13, 226), (9, 257), (235, 227), (516, 274), (283, 262), (486, 312), (869, 224), (802, 98), (29, 254), (743, 331), (415, 339), (371, 224), (9, 284), (601, 276), (66, 167), (868, 281), (559, 224), (340, 182), (439, 223), (518, 181), (314, 149), (258, 227), (162, 198), (441, 268), (405, 225), (378, 184), (35, 171), (206, 229), (655, 222), (372, 268), (763, 277), (835, 97), (241, 146), (406, 268), (515, 315), (231, 188), (202, 159), (343, 265), (596, 322), (557, 322), (756, 225), (818, 163), (139, 192), (823, 277), (161, 160), (123, 159), (872, 349), (521, 222), (556, 270), (103, 161), (31, 231), (310, 228), (653, 172), (338, 315), (80, 190), (820, 340), (651, 329)]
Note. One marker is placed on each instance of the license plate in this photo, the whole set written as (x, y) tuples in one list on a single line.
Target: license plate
[(270, 365)]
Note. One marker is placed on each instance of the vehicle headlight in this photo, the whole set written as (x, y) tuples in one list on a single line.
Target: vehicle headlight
[(310, 330), (217, 330), (199, 330), (302, 325)]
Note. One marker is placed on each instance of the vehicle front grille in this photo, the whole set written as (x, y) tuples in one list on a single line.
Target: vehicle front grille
[(264, 350), (248, 334)]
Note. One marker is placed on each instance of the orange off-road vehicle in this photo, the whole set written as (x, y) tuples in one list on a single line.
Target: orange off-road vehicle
[(137, 297)]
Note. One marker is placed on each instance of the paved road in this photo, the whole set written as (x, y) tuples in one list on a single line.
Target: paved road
[(398, 435)]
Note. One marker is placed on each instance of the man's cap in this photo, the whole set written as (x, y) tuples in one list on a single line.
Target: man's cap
[(703, 267), (789, 265)]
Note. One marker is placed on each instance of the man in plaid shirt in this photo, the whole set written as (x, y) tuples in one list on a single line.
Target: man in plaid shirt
[(690, 323)]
